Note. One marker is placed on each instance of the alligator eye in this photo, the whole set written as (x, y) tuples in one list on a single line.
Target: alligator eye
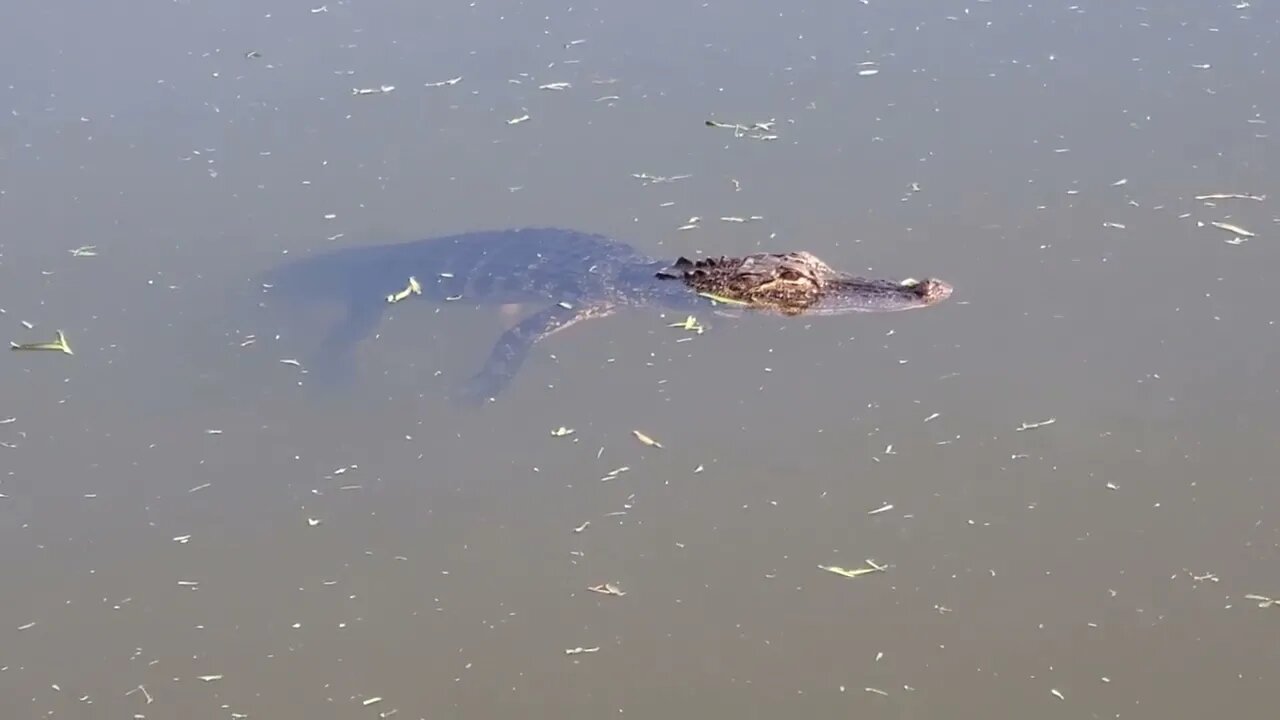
[(789, 274)]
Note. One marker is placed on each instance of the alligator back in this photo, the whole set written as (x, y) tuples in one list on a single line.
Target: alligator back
[(490, 267)]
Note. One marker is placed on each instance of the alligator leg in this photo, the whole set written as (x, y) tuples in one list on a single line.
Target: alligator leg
[(334, 361), (513, 347)]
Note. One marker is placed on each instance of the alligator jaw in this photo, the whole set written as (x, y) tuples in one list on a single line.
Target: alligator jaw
[(849, 294)]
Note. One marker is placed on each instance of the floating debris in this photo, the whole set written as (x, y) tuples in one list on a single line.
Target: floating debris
[(735, 219), (371, 701), (1234, 229), (1058, 694), (444, 83), (1231, 196), (655, 179), (690, 323), (145, 694), (380, 90), (209, 678), (607, 589), (1034, 425), (556, 86), (1116, 225), (580, 650), (60, 344), (645, 439), (614, 473), (413, 288), (1263, 600), (877, 691), (562, 431), (872, 567), (518, 120), (739, 127), (253, 55), (84, 251), (883, 508), (291, 361), (581, 528), (754, 131)]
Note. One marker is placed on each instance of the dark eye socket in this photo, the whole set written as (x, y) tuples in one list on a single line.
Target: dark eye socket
[(789, 274)]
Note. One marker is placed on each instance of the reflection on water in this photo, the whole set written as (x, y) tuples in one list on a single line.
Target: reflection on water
[(191, 526)]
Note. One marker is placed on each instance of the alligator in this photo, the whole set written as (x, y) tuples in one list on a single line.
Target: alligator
[(575, 276)]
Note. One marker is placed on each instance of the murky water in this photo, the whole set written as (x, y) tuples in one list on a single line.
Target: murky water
[(1073, 461)]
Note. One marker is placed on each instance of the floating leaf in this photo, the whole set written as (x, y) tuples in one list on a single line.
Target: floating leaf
[(60, 345), (646, 439)]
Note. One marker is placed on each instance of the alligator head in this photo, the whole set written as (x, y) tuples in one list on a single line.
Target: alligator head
[(798, 282)]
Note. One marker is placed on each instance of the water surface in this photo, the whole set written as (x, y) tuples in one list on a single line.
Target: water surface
[(1077, 448)]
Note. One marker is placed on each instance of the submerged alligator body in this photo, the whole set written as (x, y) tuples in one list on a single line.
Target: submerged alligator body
[(574, 276)]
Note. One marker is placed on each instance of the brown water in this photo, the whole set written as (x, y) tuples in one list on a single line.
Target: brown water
[(189, 528)]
